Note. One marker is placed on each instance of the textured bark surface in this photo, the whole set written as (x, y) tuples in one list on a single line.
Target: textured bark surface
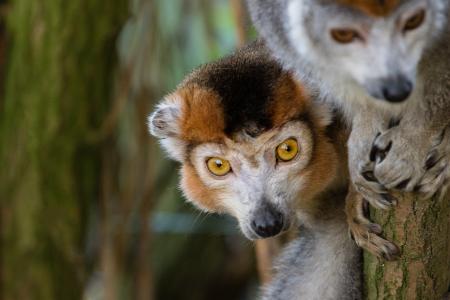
[(421, 228), (59, 79)]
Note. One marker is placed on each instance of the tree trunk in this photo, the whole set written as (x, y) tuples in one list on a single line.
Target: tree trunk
[(59, 80), (421, 228)]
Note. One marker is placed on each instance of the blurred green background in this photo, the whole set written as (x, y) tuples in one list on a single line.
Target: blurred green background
[(90, 207)]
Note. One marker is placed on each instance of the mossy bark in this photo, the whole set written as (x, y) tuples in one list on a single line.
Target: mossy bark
[(421, 228), (58, 85)]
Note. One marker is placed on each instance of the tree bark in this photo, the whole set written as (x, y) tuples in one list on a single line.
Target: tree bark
[(61, 66), (421, 228)]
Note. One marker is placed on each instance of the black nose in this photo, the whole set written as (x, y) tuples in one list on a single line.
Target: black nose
[(397, 89), (267, 222)]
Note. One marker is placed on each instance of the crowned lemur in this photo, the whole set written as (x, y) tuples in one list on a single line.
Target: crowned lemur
[(386, 66)]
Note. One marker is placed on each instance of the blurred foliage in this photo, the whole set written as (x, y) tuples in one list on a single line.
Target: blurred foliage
[(164, 40), (160, 44), (81, 178)]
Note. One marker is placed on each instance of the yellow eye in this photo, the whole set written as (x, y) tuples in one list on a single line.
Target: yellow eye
[(344, 36), (287, 150), (415, 21), (218, 166)]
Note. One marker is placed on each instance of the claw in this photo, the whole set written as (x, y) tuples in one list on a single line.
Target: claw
[(369, 176), (381, 153), (373, 149), (375, 228), (432, 159), (402, 185), (365, 233), (389, 198), (391, 252), (367, 236), (381, 200)]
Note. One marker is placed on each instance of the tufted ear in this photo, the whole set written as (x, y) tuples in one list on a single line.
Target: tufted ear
[(164, 123)]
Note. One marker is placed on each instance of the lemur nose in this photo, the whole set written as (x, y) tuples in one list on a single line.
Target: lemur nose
[(397, 89), (267, 222)]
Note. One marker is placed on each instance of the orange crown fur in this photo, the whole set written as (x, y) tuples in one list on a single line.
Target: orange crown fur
[(376, 8)]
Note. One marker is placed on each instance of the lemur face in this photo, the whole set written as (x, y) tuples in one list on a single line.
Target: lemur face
[(374, 46), (256, 179), (250, 142), (377, 46)]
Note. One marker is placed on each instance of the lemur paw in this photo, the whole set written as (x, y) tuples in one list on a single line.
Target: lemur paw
[(373, 242), (436, 179), (412, 162), (399, 158), (368, 186), (366, 234)]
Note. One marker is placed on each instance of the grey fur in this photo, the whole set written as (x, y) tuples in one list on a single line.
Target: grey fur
[(401, 151), (323, 263)]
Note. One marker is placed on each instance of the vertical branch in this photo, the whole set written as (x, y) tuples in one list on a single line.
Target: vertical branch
[(421, 228), (208, 21), (115, 204), (266, 250), (108, 255), (59, 77), (131, 199), (143, 273), (241, 19), (3, 47)]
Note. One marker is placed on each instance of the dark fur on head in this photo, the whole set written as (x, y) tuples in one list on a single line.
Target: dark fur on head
[(245, 83)]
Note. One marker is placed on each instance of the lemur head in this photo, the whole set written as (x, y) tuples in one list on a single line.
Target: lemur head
[(250, 142), (373, 45)]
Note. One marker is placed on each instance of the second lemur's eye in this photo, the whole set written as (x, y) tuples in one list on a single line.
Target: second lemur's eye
[(287, 150), (344, 36), (218, 166), (415, 21)]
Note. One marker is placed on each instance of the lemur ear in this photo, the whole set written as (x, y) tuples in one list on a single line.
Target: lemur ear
[(164, 121)]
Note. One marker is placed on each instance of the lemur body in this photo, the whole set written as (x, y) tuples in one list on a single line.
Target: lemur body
[(386, 66), (253, 144), (322, 262)]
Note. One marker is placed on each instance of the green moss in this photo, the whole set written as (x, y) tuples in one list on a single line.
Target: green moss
[(423, 227)]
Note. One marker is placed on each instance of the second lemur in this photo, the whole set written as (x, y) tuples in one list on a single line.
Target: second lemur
[(386, 66)]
